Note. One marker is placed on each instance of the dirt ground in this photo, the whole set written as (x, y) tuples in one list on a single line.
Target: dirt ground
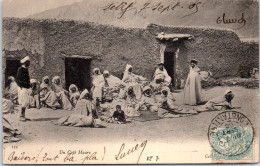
[(42, 130)]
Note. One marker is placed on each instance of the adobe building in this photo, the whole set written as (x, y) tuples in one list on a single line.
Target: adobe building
[(71, 49)]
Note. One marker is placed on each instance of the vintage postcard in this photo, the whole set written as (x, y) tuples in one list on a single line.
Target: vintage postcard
[(130, 81)]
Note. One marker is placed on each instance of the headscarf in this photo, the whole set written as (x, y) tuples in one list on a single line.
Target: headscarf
[(10, 82), (12, 86), (55, 79), (96, 69), (128, 67), (194, 61), (11, 78), (165, 88), (113, 81), (73, 86), (126, 73), (227, 91), (158, 73), (147, 88), (57, 87), (228, 95), (44, 85), (106, 79), (133, 93), (27, 58), (83, 94), (33, 81), (34, 85), (106, 72), (44, 78)]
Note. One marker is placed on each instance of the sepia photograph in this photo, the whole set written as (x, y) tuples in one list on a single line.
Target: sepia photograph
[(130, 81)]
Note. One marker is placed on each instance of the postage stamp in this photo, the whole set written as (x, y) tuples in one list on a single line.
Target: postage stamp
[(231, 136)]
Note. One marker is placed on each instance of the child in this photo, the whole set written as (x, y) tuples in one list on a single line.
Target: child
[(119, 114)]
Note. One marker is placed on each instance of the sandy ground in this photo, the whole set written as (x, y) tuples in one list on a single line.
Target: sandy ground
[(42, 130)]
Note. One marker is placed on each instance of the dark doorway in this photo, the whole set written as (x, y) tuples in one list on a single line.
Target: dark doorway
[(169, 64), (11, 68), (77, 71)]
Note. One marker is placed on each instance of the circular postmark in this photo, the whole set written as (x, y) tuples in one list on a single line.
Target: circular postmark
[(230, 133)]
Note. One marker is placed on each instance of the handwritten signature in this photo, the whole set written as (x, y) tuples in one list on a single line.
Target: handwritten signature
[(124, 7), (122, 154), (72, 156), (45, 157), (224, 20)]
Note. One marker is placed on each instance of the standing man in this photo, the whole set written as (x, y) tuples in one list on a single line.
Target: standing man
[(192, 89), (23, 81)]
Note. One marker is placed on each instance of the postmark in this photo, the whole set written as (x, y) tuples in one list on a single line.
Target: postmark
[(231, 135)]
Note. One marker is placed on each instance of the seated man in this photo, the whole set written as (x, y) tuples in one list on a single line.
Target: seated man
[(7, 106), (148, 102), (74, 94), (112, 86), (133, 80), (85, 105), (47, 95), (161, 78), (166, 99), (131, 103), (167, 108), (61, 93), (84, 114), (11, 90), (34, 94), (10, 134)]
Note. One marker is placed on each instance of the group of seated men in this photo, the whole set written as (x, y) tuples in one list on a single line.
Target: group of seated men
[(106, 87), (46, 93), (132, 94)]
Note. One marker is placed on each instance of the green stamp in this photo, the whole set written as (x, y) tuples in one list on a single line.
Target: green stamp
[(231, 136)]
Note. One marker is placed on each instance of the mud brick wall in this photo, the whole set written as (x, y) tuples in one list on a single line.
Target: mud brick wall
[(22, 38), (218, 51), (111, 48)]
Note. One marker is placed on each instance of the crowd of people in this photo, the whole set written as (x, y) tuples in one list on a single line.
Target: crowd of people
[(122, 98)]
